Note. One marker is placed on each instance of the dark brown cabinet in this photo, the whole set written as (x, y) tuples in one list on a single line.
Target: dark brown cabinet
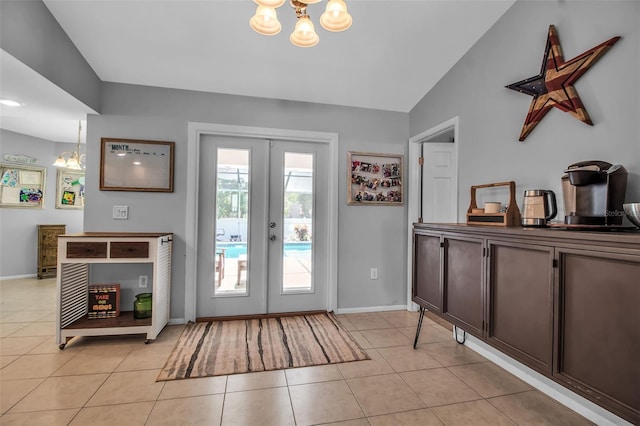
[(463, 289), (599, 327), (564, 303), (520, 280), (448, 271), (427, 288), (48, 249)]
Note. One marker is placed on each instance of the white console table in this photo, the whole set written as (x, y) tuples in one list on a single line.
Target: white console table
[(76, 254)]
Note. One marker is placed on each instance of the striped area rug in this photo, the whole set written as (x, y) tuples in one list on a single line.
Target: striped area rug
[(241, 346)]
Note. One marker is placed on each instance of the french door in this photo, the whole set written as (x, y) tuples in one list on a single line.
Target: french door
[(262, 227)]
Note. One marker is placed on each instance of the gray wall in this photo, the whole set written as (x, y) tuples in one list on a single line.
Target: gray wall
[(369, 236), (31, 34), (18, 230), (491, 116)]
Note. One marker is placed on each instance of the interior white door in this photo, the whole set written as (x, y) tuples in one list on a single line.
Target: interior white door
[(262, 227), (439, 182)]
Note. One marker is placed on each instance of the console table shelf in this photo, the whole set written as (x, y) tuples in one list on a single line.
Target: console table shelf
[(125, 319)]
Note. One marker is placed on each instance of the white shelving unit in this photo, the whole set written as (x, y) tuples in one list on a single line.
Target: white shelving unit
[(76, 254)]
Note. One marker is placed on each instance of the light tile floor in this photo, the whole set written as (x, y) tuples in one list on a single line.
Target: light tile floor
[(111, 380)]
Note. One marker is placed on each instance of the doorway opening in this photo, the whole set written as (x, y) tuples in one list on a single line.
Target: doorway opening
[(433, 189)]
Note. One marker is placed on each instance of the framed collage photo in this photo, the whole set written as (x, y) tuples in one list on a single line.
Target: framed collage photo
[(375, 179), (22, 186), (70, 189)]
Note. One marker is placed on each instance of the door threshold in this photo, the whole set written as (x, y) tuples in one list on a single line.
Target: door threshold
[(258, 316)]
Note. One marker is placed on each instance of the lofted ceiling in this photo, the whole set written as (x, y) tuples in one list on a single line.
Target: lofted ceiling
[(393, 54)]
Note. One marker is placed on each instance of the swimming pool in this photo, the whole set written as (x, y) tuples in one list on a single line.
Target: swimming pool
[(234, 249)]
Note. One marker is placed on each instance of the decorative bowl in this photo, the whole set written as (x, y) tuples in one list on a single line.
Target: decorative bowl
[(633, 213)]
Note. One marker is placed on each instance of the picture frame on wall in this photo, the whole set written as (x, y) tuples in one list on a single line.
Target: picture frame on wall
[(136, 165), (375, 179), (22, 186), (70, 189)]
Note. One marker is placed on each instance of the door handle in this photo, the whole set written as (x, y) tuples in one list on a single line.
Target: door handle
[(272, 237)]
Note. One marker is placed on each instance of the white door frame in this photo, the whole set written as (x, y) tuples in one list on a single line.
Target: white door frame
[(195, 131), (414, 198)]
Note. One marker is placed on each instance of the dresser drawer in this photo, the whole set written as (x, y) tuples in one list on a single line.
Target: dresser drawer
[(80, 250), (122, 250)]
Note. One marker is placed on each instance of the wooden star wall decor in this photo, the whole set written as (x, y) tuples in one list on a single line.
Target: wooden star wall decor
[(553, 87)]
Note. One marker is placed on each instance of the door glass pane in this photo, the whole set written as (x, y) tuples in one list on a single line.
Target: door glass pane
[(232, 218), (297, 247)]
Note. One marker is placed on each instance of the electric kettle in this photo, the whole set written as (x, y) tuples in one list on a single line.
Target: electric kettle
[(539, 207)]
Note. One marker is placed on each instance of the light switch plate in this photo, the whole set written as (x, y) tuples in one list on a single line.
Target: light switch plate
[(120, 212)]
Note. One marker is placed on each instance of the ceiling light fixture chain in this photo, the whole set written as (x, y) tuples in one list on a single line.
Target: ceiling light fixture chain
[(335, 18), (76, 161)]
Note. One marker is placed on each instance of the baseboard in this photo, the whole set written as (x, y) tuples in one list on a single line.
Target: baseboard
[(17, 277), (371, 309), (177, 321), (564, 396)]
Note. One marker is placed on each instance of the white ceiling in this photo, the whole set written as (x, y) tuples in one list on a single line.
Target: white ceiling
[(393, 54)]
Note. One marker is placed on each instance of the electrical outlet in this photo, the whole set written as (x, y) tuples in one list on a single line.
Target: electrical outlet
[(142, 281), (374, 273)]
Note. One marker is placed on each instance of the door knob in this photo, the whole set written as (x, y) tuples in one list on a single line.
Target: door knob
[(272, 237)]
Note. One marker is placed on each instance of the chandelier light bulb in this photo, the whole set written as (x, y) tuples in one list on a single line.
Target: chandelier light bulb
[(60, 162), (72, 162), (304, 34), (336, 17), (269, 3), (265, 21)]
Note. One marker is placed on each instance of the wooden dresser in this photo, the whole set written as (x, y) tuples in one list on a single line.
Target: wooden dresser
[(48, 249)]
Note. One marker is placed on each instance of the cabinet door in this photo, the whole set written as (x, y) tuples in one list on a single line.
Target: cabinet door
[(427, 290), (463, 289), (520, 280), (599, 328)]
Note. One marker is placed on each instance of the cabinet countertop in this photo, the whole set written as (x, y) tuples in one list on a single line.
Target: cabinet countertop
[(117, 235), (618, 238)]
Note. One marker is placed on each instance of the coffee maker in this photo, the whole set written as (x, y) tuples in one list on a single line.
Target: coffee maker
[(593, 193)]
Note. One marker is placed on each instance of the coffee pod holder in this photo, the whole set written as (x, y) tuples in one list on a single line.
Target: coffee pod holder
[(510, 217)]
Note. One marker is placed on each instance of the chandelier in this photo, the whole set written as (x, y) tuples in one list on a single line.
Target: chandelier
[(75, 160), (335, 18)]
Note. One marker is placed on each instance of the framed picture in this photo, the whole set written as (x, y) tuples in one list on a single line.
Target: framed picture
[(374, 179), (70, 189), (136, 165), (22, 186)]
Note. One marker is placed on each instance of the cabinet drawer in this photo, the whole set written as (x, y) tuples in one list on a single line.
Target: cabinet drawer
[(120, 250), (79, 250)]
